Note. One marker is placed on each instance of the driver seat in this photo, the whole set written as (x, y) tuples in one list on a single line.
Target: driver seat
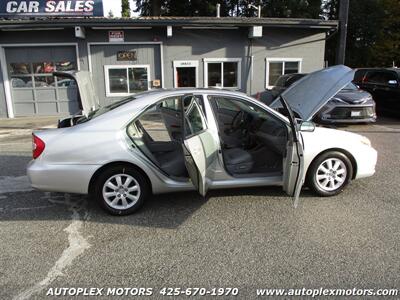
[(237, 161)]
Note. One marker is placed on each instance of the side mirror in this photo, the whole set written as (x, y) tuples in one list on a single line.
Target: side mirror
[(307, 126), (392, 82)]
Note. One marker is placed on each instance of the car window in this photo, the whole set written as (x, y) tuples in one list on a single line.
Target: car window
[(281, 81), (380, 77), (194, 122)]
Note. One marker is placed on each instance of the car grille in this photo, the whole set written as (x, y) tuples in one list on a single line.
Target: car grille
[(352, 113)]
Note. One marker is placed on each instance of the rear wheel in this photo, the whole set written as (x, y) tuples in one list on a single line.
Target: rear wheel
[(330, 173), (121, 190)]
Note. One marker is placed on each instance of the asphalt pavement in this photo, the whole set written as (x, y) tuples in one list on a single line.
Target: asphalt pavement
[(248, 238)]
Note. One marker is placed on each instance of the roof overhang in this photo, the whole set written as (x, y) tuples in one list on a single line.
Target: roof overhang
[(224, 22)]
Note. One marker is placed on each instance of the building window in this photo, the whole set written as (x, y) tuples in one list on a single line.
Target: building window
[(39, 74), (126, 80), (222, 73), (277, 67)]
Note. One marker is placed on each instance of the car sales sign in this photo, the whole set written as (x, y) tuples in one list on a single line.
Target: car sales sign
[(31, 8)]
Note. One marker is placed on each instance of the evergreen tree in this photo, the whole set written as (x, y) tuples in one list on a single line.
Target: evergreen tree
[(125, 9)]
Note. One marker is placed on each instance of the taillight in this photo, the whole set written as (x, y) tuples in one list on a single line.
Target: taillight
[(37, 146)]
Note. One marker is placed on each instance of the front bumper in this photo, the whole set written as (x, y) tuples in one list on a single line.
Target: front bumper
[(348, 114)]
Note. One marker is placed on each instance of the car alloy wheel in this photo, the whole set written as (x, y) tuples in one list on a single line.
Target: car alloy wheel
[(331, 174), (121, 191)]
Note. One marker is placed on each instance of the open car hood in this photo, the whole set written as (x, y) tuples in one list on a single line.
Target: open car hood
[(86, 93), (308, 95)]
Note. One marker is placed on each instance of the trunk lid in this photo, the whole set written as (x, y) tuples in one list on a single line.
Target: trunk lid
[(87, 95)]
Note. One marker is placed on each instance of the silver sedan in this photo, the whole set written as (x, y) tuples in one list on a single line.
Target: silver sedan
[(199, 139)]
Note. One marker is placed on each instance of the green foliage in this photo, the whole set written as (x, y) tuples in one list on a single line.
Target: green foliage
[(125, 9), (373, 37)]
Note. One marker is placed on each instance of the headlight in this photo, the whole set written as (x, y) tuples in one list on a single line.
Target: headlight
[(365, 141)]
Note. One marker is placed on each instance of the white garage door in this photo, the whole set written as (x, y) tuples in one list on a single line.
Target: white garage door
[(34, 90)]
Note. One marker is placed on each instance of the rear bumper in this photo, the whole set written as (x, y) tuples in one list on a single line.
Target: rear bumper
[(60, 178)]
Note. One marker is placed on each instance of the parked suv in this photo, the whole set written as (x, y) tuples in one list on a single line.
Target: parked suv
[(384, 85)]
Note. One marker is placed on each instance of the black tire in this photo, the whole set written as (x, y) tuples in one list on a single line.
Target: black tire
[(312, 181), (105, 176)]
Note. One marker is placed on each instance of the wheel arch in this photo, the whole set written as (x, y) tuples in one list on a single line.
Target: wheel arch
[(345, 152), (113, 164)]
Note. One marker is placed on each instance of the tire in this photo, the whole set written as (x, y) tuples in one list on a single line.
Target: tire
[(329, 173), (118, 196)]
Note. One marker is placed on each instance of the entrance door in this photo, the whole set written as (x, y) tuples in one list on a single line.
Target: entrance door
[(185, 73), (199, 146), (186, 76)]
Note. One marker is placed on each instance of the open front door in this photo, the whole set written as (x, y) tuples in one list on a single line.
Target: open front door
[(199, 146), (293, 171)]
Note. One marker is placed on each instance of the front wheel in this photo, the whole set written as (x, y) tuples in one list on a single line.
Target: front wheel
[(121, 190), (330, 173)]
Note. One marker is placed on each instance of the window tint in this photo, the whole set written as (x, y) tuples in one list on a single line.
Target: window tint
[(194, 122), (380, 77)]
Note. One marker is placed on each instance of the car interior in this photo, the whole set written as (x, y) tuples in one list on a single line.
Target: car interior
[(253, 141)]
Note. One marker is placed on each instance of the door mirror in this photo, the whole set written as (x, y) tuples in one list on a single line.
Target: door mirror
[(392, 82), (307, 126)]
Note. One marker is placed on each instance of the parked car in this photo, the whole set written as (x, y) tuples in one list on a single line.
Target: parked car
[(199, 139), (349, 105), (384, 85)]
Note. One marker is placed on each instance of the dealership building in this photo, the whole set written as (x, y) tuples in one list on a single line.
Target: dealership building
[(126, 56)]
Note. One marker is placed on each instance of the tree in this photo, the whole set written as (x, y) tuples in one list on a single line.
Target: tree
[(126, 9), (364, 30), (386, 50), (110, 14)]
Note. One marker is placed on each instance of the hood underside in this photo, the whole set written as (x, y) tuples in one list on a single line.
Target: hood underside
[(308, 95)]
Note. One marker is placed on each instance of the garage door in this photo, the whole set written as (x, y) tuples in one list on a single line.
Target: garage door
[(34, 90)]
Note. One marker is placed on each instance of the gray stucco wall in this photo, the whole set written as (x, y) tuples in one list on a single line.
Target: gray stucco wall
[(187, 44)]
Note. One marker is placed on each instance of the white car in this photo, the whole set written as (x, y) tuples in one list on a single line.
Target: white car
[(199, 139)]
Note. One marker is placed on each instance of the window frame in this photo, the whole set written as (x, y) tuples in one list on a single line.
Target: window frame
[(269, 60), (109, 94), (206, 61)]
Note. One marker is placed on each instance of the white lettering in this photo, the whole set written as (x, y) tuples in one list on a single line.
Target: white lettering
[(11, 7), (23, 7), (60, 7), (79, 5), (50, 6), (34, 7), (89, 6)]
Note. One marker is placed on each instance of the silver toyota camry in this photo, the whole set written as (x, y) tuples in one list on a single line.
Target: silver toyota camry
[(199, 139)]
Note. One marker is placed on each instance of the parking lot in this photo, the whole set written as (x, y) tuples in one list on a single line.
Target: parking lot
[(247, 238)]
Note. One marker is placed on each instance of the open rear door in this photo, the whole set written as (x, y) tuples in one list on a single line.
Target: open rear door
[(293, 172), (199, 146)]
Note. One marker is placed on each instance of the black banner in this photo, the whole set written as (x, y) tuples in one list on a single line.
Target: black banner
[(31, 8)]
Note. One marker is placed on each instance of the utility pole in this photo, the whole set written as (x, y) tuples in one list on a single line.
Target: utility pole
[(343, 21)]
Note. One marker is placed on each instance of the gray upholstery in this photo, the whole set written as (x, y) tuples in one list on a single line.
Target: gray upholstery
[(173, 163), (237, 161)]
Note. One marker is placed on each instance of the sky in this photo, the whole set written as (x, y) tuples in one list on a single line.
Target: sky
[(115, 6)]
